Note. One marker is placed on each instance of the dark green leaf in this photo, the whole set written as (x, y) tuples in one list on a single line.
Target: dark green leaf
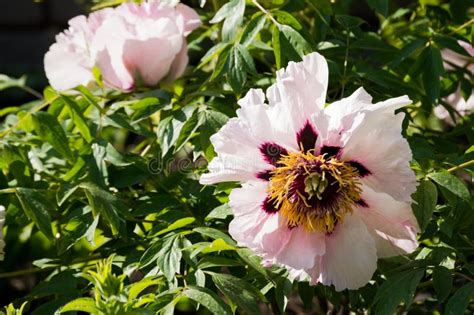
[(458, 303), (432, 70), (239, 291), (425, 197), (37, 207), (48, 128), (442, 281), (106, 204), (397, 289), (188, 129), (293, 45), (381, 6)]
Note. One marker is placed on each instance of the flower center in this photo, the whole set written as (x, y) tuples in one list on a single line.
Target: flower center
[(313, 191)]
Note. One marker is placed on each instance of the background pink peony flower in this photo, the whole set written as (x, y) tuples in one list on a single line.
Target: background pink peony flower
[(133, 44), (325, 227), (143, 44), (69, 61), (456, 100)]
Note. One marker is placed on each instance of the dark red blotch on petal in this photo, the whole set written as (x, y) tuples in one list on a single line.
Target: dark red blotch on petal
[(330, 151), (265, 175), (363, 171), (272, 152), (362, 203), (268, 206), (306, 137)]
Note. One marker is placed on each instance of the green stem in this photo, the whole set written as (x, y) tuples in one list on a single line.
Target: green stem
[(20, 272), (259, 6), (460, 166), (31, 91)]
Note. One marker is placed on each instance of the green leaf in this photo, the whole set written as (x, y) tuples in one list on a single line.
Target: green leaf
[(442, 282), (425, 197), (215, 51), (78, 118), (136, 288), (81, 304), (169, 128), (144, 108), (208, 299), (221, 212), (37, 207), (432, 70), (396, 289), (240, 62), (89, 97), (106, 204), (188, 129), (238, 291), (253, 28), (48, 129), (276, 43), (286, 18), (7, 82), (293, 45), (458, 303), (232, 12), (381, 6), (167, 254), (215, 234), (451, 183)]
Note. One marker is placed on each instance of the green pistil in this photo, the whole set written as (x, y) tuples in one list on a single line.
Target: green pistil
[(316, 184)]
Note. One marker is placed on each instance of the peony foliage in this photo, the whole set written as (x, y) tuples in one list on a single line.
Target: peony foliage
[(129, 185)]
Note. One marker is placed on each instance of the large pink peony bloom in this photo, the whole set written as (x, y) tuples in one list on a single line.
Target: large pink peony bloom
[(456, 100), (143, 44), (133, 44), (69, 61), (325, 191)]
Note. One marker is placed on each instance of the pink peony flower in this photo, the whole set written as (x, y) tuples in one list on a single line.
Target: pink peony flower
[(133, 44), (325, 191), (69, 61), (456, 100), (143, 43)]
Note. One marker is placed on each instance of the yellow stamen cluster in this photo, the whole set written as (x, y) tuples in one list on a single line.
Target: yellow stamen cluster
[(316, 212)]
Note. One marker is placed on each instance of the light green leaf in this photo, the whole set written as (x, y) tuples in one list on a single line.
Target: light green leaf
[(7, 82), (208, 299), (253, 28), (78, 118), (451, 183), (81, 304)]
